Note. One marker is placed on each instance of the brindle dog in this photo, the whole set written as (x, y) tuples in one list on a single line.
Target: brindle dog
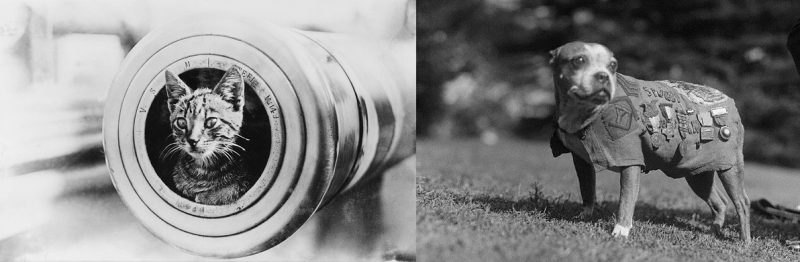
[(629, 125)]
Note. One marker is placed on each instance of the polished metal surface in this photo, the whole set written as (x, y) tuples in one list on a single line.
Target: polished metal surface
[(340, 110)]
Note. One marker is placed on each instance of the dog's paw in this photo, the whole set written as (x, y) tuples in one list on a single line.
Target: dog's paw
[(586, 213), (716, 229), (620, 230)]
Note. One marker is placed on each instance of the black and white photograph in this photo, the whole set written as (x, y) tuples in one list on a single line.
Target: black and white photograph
[(328, 130), (562, 130), (208, 130)]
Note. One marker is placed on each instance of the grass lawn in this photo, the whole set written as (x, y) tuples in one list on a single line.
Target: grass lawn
[(514, 202)]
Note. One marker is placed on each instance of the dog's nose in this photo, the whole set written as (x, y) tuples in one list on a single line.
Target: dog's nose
[(601, 77)]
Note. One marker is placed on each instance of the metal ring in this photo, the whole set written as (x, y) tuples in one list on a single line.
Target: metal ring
[(274, 118), (300, 184), (335, 112)]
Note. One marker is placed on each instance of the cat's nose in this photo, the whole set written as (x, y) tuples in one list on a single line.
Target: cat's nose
[(192, 142)]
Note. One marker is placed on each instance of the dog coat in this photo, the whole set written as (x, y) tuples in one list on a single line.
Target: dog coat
[(677, 127)]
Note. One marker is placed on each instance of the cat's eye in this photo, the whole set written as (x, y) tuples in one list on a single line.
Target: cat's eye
[(578, 61), (180, 123), (212, 122)]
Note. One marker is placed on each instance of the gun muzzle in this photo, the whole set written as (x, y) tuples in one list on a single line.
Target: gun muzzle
[(323, 112)]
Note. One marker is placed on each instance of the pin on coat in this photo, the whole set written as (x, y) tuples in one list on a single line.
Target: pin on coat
[(631, 126)]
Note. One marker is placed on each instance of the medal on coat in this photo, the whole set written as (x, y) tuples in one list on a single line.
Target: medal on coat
[(705, 119), (719, 114), (706, 134)]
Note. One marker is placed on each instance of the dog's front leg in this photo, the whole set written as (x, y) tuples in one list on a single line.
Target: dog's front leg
[(628, 192), (586, 181)]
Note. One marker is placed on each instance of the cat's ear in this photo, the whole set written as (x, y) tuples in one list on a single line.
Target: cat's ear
[(176, 89), (231, 88)]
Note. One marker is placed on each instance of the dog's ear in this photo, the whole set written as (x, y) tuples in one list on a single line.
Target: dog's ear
[(554, 55)]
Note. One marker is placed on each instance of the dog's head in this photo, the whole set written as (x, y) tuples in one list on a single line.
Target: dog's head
[(584, 72), (585, 81)]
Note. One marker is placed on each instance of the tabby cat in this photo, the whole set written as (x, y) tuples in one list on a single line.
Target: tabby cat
[(205, 124)]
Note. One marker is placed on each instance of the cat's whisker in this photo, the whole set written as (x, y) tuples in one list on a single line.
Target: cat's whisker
[(223, 151), (169, 150), (228, 155), (231, 144), (242, 137), (220, 154), (230, 151)]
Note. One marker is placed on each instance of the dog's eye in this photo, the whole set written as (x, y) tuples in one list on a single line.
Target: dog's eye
[(180, 123), (612, 66), (578, 61)]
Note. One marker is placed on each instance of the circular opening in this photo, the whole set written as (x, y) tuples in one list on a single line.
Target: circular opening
[(255, 131)]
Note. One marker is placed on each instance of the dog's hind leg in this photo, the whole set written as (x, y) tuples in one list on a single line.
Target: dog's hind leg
[(733, 180), (703, 185), (586, 180), (628, 192)]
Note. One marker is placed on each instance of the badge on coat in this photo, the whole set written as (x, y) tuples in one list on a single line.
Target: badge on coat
[(667, 111), (725, 133), (705, 119), (706, 134), (719, 114), (618, 117)]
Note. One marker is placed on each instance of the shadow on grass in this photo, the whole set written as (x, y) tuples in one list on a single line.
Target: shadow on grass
[(684, 219)]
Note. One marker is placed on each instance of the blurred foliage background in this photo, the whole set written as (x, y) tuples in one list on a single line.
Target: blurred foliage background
[(483, 64)]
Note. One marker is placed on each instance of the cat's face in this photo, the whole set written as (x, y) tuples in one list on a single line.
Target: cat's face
[(206, 121)]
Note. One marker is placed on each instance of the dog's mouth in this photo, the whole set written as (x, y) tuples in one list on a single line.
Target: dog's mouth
[(598, 97)]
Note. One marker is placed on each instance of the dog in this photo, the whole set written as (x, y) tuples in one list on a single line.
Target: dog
[(631, 126)]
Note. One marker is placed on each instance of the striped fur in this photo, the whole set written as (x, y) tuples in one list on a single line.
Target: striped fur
[(205, 125)]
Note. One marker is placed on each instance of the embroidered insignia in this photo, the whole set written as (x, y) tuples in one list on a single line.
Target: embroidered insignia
[(700, 94), (661, 91), (618, 117), (628, 87)]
